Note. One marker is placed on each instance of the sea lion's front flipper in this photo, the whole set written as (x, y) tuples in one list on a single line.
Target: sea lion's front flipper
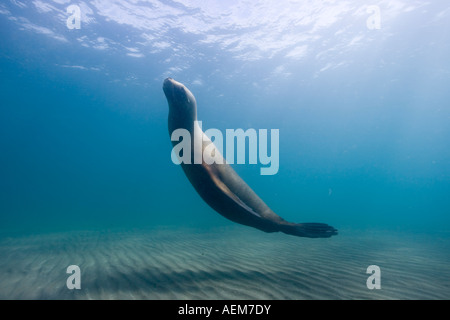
[(219, 183)]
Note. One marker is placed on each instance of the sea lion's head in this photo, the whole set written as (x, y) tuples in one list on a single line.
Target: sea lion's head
[(181, 101)]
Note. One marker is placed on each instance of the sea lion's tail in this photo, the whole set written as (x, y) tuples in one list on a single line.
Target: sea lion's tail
[(309, 230)]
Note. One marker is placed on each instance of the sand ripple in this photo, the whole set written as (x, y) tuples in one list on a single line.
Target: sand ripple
[(229, 263)]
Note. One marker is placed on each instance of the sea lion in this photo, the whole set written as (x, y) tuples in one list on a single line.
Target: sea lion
[(218, 184)]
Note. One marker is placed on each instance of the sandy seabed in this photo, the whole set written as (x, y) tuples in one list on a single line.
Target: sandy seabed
[(223, 263)]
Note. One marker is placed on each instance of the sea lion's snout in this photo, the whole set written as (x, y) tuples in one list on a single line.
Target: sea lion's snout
[(168, 81), (171, 83), (177, 93), (172, 88), (168, 85)]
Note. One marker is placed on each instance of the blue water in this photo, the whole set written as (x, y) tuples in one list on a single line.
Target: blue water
[(363, 114)]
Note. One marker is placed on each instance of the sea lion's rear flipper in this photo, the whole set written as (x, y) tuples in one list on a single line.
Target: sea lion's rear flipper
[(308, 230)]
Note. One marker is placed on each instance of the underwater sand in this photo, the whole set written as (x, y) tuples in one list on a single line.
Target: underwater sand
[(224, 263)]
